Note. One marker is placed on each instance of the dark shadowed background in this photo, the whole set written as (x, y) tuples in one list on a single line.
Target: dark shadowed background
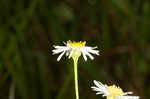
[(30, 28)]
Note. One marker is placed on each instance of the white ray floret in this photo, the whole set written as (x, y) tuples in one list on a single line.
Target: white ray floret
[(112, 92), (127, 97), (75, 48)]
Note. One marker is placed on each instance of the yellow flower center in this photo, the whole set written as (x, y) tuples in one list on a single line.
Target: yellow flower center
[(76, 44), (114, 90)]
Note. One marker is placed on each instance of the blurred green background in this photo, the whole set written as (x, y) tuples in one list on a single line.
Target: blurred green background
[(30, 28)]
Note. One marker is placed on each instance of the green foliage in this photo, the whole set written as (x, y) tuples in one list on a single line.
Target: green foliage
[(29, 29)]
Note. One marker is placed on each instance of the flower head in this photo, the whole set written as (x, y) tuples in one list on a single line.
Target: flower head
[(75, 49), (112, 91)]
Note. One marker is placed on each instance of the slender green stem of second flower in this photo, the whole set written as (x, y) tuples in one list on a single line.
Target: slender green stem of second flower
[(75, 59)]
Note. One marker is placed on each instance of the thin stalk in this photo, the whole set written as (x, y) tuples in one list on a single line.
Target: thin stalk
[(12, 90), (75, 59)]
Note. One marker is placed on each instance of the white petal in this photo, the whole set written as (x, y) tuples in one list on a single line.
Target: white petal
[(65, 43), (59, 47), (84, 55), (59, 57), (99, 84), (56, 51), (127, 97), (71, 54), (127, 93), (96, 83), (94, 52), (99, 93), (95, 88), (100, 88), (91, 57), (88, 47), (91, 50), (67, 53), (105, 95), (94, 47)]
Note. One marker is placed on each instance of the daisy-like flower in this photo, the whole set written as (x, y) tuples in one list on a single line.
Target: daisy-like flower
[(111, 92), (75, 49)]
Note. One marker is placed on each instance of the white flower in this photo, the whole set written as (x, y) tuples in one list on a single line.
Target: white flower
[(75, 49), (112, 92)]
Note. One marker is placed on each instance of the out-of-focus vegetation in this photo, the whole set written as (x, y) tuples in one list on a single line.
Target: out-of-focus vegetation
[(29, 29)]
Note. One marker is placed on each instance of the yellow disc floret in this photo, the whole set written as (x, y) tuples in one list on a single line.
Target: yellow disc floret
[(76, 44), (76, 48), (114, 90)]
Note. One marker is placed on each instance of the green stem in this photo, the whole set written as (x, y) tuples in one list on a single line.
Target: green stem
[(75, 59)]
